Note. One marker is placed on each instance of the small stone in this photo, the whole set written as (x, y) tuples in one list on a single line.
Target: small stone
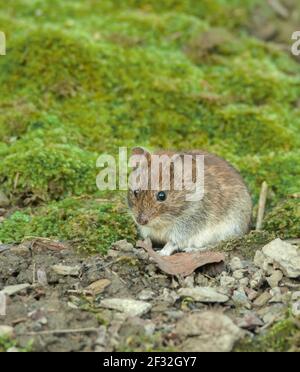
[(273, 313), (296, 309), (175, 314), (225, 291), (285, 256), (42, 277), (141, 254), (149, 328), (203, 294), (72, 306), (263, 299), (6, 331), (201, 280), (296, 296), (20, 250), (174, 284), (264, 263), (240, 299), (275, 278), (244, 282), (250, 322), (4, 247), (102, 336), (112, 253), (188, 281), (129, 307), (227, 281), (98, 286), (238, 274), (66, 270), (123, 245), (251, 293), (168, 296), (146, 295), (276, 295), (259, 259), (13, 289), (208, 332), (4, 201), (43, 321), (236, 264), (257, 280)]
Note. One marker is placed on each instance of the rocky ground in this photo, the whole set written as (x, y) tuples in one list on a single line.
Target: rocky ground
[(161, 74), (56, 300)]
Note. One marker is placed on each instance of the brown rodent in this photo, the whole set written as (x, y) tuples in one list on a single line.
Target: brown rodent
[(169, 219)]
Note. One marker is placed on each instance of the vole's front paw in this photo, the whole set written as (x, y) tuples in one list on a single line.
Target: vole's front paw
[(168, 249)]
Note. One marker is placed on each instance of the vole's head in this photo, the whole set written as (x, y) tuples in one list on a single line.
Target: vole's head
[(155, 203)]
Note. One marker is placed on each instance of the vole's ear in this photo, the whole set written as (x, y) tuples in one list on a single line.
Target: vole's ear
[(141, 151)]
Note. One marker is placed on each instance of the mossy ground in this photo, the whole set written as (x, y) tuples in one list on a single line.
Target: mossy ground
[(284, 336), (6, 344), (84, 77), (89, 225)]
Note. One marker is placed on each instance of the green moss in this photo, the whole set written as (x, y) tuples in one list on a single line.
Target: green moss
[(248, 244), (7, 343), (48, 170), (14, 118), (82, 78), (234, 13), (282, 337), (281, 170), (284, 219), (90, 225)]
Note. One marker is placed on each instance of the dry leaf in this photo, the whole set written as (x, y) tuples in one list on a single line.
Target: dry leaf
[(44, 244), (98, 286), (181, 263)]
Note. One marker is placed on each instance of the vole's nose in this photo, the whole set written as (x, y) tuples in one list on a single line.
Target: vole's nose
[(142, 219)]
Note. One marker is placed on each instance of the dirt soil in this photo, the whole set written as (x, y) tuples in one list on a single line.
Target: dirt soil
[(63, 307)]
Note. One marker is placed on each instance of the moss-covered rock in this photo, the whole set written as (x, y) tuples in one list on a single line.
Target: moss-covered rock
[(247, 245), (90, 225), (45, 164), (282, 337), (284, 219)]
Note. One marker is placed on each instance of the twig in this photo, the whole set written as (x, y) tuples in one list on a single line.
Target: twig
[(279, 8), (34, 273), (16, 181), (61, 331), (261, 205)]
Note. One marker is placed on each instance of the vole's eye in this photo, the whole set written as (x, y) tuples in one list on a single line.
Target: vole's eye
[(161, 196), (136, 193)]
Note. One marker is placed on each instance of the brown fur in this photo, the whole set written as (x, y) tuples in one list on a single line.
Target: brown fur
[(176, 220)]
